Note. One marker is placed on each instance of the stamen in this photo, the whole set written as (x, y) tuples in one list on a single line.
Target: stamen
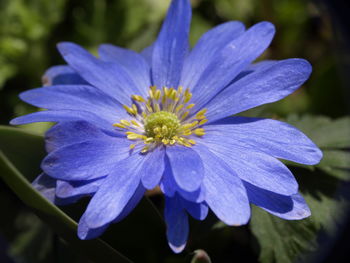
[(132, 146), (129, 110), (190, 106), (125, 122), (203, 122), (157, 95), (119, 125), (185, 115), (199, 132), (163, 118), (138, 98), (135, 123), (145, 149), (178, 108)]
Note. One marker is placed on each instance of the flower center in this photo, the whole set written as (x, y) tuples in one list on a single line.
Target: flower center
[(164, 118), (161, 125)]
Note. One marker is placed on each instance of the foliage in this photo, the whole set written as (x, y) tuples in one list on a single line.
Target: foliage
[(323, 187)]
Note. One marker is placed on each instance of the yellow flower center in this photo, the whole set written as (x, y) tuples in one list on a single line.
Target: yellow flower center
[(162, 125), (164, 118)]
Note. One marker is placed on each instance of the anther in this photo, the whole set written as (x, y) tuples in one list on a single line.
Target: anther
[(119, 125)]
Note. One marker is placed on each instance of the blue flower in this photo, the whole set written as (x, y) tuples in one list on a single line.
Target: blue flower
[(129, 122)]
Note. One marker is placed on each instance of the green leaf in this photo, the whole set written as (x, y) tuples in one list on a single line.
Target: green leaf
[(325, 132), (24, 149), (332, 136), (20, 145), (287, 241), (280, 240)]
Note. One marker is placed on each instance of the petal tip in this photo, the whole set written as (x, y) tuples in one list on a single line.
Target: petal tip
[(13, 121), (317, 157), (66, 48), (267, 27), (17, 121), (304, 65), (177, 249)]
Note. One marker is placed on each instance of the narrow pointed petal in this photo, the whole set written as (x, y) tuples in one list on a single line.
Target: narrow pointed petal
[(210, 44), (172, 45), (198, 211), (63, 116), (177, 224), (262, 86), (62, 75), (186, 166), (230, 61), (46, 185), (87, 160), (79, 98), (291, 207), (261, 65), (254, 167), (67, 133), (273, 137), (109, 77), (74, 190), (87, 233), (114, 194), (154, 168), (133, 63), (225, 192), (169, 186), (132, 203)]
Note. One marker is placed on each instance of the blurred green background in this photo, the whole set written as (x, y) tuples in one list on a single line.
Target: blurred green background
[(30, 29)]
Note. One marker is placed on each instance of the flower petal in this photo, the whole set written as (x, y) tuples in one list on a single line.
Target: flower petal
[(198, 211), (261, 65), (79, 98), (114, 194), (225, 193), (186, 166), (275, 138), (230, 61), (260, 87), (86, 160), (132, 203), (46, 185), (147, 54), (287, 207), (169, 186), (86, 233), (62, 75), (172, 45), (177, 223), (74, 190), (153, 168), (109, 77), (253, 166), (67, 133), (133, 63), (63, 116), (209, 44)]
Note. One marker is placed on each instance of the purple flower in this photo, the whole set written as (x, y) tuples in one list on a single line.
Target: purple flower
[(128, 122)]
